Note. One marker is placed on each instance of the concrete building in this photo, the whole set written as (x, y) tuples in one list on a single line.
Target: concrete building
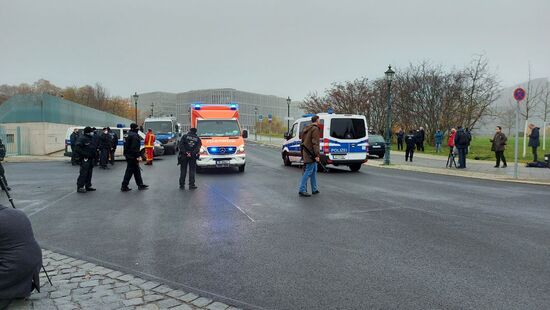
[(178, 104), (36, 124)]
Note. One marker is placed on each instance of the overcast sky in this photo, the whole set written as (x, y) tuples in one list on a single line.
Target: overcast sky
[(279, 47)]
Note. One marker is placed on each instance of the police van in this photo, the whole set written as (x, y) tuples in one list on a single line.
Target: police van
[(344, 140), (121, 132)]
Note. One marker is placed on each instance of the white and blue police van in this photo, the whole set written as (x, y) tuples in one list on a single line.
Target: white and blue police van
[(344, 140)]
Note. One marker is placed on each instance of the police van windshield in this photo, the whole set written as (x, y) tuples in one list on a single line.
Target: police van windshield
[(347, 128), (159, 127), (218, 128), (376, 138)]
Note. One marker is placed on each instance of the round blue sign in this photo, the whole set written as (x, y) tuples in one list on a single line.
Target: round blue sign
[(519, 94)]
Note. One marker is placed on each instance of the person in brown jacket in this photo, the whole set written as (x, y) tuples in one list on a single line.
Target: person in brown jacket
[(310, 153), (499, 145)]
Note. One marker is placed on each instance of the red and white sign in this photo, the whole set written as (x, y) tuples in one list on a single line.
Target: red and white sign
[(519, 94)]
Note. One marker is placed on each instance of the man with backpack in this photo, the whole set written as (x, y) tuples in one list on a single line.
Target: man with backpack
[(3, 180), (189, 151)]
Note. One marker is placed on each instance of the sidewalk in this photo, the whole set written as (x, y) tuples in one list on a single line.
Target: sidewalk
[(480, 169), (78, 284), (57, 156)]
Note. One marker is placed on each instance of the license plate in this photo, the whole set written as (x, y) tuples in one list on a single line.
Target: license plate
[(222, 163), (339, 156), (376, 146)]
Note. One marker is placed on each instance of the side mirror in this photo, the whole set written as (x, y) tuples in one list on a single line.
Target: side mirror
[(245, 133), (287, 136)]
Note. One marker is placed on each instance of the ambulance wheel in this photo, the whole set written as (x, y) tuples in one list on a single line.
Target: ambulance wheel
[(286, 160), (241, 168), (355, 167)]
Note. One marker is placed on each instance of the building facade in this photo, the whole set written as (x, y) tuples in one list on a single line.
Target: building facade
[(178, 105)]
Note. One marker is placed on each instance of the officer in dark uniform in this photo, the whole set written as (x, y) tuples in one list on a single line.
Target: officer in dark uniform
[(95, 144), (114, 144), (104, 145), (189, 151), (73, 138), (4, 181), (86, 151), (132, 153), (411, 141)]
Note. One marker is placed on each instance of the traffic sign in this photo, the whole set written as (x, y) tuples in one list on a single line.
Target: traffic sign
[(260, 117), (270, 118), (519, 94)]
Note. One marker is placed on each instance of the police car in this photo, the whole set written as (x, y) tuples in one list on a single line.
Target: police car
[(344, 140)]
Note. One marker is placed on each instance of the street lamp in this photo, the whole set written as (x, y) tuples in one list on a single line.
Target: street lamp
[(389, 77), (136, 96), (288, 114), (255, 123), (152, 106)]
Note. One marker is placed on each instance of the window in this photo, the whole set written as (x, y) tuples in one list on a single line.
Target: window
[(218, 128), (292, 131), (10, 138), (347, 128)]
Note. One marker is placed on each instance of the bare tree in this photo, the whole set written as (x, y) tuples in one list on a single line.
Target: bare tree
[(532, 96), (346, 97)]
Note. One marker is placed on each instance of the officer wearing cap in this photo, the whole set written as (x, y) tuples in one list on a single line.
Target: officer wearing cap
[(189, 151), (86, 150), (132, 152)]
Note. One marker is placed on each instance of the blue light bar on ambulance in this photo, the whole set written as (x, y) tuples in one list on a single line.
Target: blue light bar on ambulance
[(197, 106), (234, 106)]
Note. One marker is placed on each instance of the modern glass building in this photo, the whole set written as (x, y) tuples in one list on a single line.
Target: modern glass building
[(178, 104)]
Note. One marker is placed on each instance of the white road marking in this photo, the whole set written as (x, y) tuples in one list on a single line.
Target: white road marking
[(50, 204)]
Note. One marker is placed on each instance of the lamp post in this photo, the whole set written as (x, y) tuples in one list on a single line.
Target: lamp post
[(136, 96), (389, 77), (152, 106), (255, 123), (288, 114)]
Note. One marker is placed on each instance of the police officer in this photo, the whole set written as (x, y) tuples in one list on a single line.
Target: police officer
[(86, 150), (73, 138), (114, 144), (189, 151), (3, 180), (104, 145), (411, 141), (132, 153)]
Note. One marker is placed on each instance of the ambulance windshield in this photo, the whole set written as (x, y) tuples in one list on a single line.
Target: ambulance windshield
[(218, 128)]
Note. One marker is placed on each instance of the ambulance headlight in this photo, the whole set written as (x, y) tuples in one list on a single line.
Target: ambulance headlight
[(203, 150), (240, 149)]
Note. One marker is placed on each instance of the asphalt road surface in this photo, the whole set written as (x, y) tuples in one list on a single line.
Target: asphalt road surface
[(379, 238)]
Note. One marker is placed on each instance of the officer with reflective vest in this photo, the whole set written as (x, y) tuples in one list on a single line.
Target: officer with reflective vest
[(189, 151), (149, 146)]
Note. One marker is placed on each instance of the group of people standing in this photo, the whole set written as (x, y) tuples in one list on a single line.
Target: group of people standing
[(413, 140), (104, 142)]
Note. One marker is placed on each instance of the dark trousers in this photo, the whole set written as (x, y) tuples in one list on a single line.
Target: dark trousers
[(420, 146), (535, 155), (399, 144), (462, 157), (3, 176), (74, 157), (85, 176), (104, 157), (409, 152), (112, 156), (192, 162), (500, 156), (132, 169)]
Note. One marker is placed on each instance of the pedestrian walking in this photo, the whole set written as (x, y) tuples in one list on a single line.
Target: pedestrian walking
[(410, 140), (462, 141), (3, 180), (438, 138), (311, 136), (534, 141), (104, 146), (132, 153), (189, 151), (149, 146), (400, 137), (86, 151), (498, 146), (73, 138), (114, 145)]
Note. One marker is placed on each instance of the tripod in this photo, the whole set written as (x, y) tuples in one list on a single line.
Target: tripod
[(5, 189), (451, 160)]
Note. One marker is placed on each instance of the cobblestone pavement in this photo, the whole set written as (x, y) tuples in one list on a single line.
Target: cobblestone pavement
[(78, 284)]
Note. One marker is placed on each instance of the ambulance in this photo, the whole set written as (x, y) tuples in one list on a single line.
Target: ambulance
[(344, 140), (221, 135)]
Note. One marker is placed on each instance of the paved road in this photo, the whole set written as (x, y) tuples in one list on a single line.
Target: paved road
[(380, 238)]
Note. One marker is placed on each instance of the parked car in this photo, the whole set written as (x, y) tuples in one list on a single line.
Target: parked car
[(377, 145)]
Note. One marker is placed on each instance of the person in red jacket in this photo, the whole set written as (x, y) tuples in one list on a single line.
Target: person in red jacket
[(149, 146), (451, 142)]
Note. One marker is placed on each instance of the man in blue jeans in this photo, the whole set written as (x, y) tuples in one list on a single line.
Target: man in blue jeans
[(310, 153)]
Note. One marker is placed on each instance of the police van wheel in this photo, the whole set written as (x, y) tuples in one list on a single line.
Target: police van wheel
[(241, 168), (355, 167), (286, 160)]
